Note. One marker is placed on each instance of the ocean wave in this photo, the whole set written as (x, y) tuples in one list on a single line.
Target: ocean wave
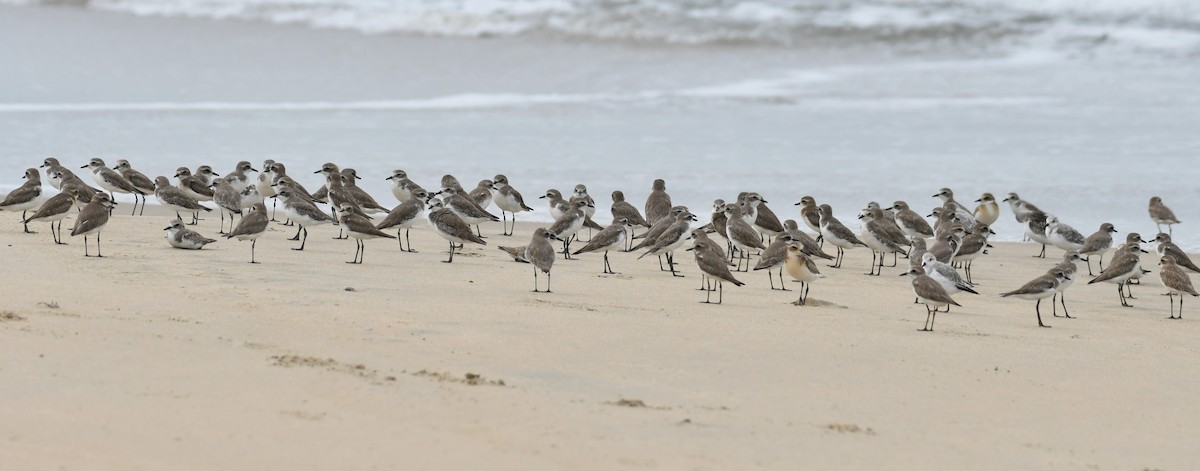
[(779, 22)]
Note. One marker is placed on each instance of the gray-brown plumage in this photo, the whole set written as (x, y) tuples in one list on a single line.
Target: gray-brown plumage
[(720, 225), (509, 200), (810, 213), (92, 220), (517, 253), (1125, 264), (774, 256), (482, 194), (1097, 244), (52, 165), (716, 268), (808, 245), (930, 293), (24, 197), (540, 253), (238, 177), (1177, 282), (405, 215), (448, 181), (138, 180), (671, 239), (252, 225), (658, 203), (1038, 289), (465, 208), (194, 185), (361, 197), (581, 194), (765, 220), (65, 179), (1166, 247), (54, 209), (279, 173), (610, 238), (836, 233), (881, 236), (945, 247), (449, 226), (360, 228), (741, 234), (175, 199), (228, 200), (183, 238), (622, 209), (802, 269), (1161, 214)]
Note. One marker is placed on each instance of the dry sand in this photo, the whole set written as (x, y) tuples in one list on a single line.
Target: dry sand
[(158, 358)]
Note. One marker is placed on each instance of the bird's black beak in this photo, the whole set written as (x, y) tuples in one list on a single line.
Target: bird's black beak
[(167, 228), (252, 169), (980, 200), (542, 197), (929, 215), (215, 174), (356, 177), (935, 196), (85, 166), (389, 178), (764, 201), (318, 171), (797, 204)]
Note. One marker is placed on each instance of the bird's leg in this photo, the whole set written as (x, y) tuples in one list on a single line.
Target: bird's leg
[(703, 282), (720, 292), (274, 201), (782, 284), (451, 259), (928, 314), (771, 278), (98, 243), (1089, 264), (85, 247), (252, 244), (535, 282), (671, 265), (297, 236), (1054, 306), (547, 282), (1062, 298), (1038, 308), (222, 229)]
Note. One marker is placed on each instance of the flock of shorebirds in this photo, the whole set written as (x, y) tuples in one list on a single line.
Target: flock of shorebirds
[(940, 254)]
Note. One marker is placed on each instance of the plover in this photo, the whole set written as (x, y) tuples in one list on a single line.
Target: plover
[(265, 179), (447, 225), (811, 247), (1039, 288), (838, 234), (173, 198), (1176, 281), (1035, 228), (930, 293), (1166, 247), (947, 197), (252, 225), (580, 194), (716, 268), (881, 236), (540, 254), (361, 197), (671, 239), (911, 223), (1124, 265), (228, 200), (973, 245), (55, 209), (568, 224), (765, 221), (810, 213), (658, 203), (138, 179), (887, 213), (1161, 214), (517, 253), (92, 220), (801, 267), (610, 238), (1063, 236), (482, 194), (401, 185), (466, 209), (946, 247), (337, 194), (61, 178), (741, 234), (112, 181), (195, 187), (1069, 268), (448, 181), (405, 216), (621, 209), (239, 178), (988, 210), (775, 255), (360, 228), (1020, 207), (1097, 244), (509, 200), (556, 204), (302, 212), (1134, 238), (249, 196), (945, 275), (25, 197), (52, 164), (183, 238)]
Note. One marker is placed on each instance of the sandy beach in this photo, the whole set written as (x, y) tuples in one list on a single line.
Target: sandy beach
[(154, 357)]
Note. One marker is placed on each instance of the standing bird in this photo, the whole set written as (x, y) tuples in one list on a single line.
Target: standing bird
[(303, 212), (228, 200), (1177, 282), (92, 220), (239, 178), (1020, 207), (1068, 266), (361, 229), (183, 238), (765, 221), (658, 203), (1097, 244), (52, 165), (567, 224), (775, 255), (945, 275), (1166, 247), (404, 216), (810, 213), (195, 187), (175, 199), (1124, 265), (930, 293), (837, 234), (466, 209), (988, 210), (946, 247), (1161, 214), (1063, 236), (1035, 223), (482, 194), (265, 180), (621, 209), (364, 200), (447, 225), (741, 234), (138, 179), (610, 238), (249, 196), (801, 267), (55, 209), (401, 185), (25, 197), (881, 236), (509, 200), (112, 181), (671, 239), (540, 254), (656, 229), (1038, 289), (252, 225), (716, 268), (580, 194), (947, 197)]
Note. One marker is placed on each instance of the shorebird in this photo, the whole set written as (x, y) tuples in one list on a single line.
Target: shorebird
[(580, 194), (238, 178), (947, 197), (886, 212), (973, 245), (195, 187), (946, 247), (482, 194), (302, 212), (265, 179), (25, 197), (1069, 269), (1124, 265), (249, 196), (540, 254), (252, 225), (930, 293), (1020, 207), (716, 268), (448, 181), (183, 238), (741, 234), (567, 224), (364, 200), (945, 275), (881, 237), (837, 234), (337, 194), (988, 210), (92, 220), (1166, 247), (139, 180), (60, 178), (658, 203), (447, 225), (1161, 214), (811, 247), (556, 203), (55, 209), (517, 253), (508, 199), (672, 238), (361, 229), (1063, 236), (112, 181), (173, 198), (610, 238), (621, 209), (1177, 282), (51, 165), (765, 221), (466, 209), (810, 213), (401, 185), (801, 267), (1134, 238), (1097, 244), (775, 255), (1038, 289), (952, 212), (228, 200), (1035, 223), (405, 216)]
